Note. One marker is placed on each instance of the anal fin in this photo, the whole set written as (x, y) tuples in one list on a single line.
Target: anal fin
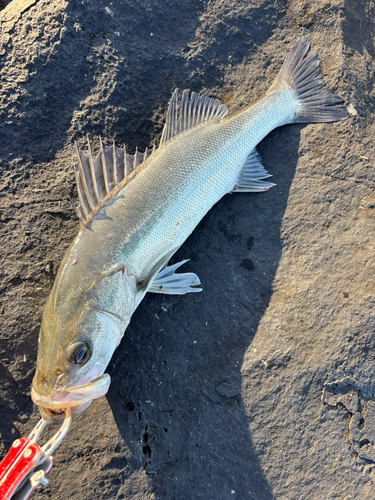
[(166, 281), (251, 176)]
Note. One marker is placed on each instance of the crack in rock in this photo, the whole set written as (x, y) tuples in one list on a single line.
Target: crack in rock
[(346, 392), (362, 432)]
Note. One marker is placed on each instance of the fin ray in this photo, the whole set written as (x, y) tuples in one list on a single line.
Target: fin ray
[(99, 178), (190, 112), (301, 74), (250, 179), (168, 282), (84, 175), (93, 178)]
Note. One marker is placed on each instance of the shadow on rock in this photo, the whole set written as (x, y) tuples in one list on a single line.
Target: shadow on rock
[(176, 379), (15, 409), (360, 52)]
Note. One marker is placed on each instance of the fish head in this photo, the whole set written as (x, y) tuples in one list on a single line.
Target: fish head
[(78, 336)]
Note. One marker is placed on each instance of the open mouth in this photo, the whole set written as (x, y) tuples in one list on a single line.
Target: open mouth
[(57, 416), (77, 397)]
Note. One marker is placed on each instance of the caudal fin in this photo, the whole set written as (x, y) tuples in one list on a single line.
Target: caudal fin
[(301, 75)]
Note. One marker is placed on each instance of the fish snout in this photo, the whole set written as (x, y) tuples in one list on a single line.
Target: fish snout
[(45, 385)]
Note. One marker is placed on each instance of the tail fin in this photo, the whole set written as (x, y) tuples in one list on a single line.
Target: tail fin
[(301, 75)]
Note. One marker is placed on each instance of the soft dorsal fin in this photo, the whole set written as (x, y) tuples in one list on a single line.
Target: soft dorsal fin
[(191, 112), (99, 178)]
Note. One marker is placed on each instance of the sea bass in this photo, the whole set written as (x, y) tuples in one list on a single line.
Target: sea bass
[(136, 211)]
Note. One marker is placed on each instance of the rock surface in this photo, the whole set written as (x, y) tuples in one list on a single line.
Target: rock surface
[(261, 387)]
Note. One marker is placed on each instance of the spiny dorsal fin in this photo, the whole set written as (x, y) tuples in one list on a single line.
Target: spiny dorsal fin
[(99, 178), (191, 112)]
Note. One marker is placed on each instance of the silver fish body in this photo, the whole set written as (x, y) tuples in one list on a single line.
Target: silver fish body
[(118, 254), (154, 214)]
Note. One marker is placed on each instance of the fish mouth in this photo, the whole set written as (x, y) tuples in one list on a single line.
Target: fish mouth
[(58, 416), (77, 397)]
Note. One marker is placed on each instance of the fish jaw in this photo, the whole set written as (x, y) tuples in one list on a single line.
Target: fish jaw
[(55, 417), (77, 397)]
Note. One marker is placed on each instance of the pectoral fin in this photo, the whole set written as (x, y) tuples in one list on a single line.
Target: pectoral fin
[(166, 281)]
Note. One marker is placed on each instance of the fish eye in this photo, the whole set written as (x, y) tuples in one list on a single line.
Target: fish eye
[(78, 353)]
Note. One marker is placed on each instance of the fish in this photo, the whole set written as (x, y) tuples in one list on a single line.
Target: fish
[(136, 211)]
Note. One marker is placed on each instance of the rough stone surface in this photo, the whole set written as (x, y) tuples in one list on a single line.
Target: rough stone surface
[(262, 386)]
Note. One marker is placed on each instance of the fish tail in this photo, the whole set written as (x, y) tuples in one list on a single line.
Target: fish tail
[(301, 75)]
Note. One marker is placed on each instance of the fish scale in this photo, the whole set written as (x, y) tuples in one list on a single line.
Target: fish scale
[(136, 211)]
